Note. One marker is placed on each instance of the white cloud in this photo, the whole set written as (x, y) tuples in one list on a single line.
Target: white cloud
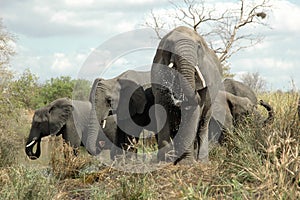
[(61, 63), (79, 3), (75, 28), (285, 16)]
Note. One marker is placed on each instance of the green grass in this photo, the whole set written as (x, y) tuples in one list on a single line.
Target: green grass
[(253, 163)]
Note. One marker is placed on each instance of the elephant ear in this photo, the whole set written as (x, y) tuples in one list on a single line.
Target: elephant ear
[(239, 106), (41, 115), (59, 113), (132, 99), (231, 101)]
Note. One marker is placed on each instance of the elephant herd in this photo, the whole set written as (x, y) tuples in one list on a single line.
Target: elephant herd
[(183, 100)]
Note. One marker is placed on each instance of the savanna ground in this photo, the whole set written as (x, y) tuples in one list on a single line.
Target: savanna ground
[(253, 163)]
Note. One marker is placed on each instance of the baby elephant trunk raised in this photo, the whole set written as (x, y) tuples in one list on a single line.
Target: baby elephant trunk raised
[(270, 110)]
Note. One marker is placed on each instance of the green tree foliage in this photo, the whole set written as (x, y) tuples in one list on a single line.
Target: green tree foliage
[(25, 90), (6, 106), (81, 90), (56, 88), (64, 86)]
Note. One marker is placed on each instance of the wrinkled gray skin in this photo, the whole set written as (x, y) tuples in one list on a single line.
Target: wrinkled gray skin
[(130, 97), (173, 76), (232, 106), (58, 118), (239, 89)]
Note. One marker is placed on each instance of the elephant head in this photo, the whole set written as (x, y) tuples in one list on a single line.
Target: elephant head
[(124, 96), (240, 107), (121, 95), (240, 89), (49, 120), (230, 110)]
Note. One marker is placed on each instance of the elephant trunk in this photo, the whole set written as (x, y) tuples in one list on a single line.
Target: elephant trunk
[(186, 59), (92, 143), (94, 128), (29, 148), (270, 110)]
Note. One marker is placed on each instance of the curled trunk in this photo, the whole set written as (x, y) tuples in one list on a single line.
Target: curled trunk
[(29, 149), (270, 110)]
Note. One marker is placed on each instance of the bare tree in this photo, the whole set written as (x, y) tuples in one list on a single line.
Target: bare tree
[(254, 81), (6, 49), (225, 29)]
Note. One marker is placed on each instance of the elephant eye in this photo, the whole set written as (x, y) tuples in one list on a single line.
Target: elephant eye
[(108, 101)]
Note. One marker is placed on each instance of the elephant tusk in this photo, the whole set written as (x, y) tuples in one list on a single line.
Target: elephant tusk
[(200, 76), (104, 123), (171, 65), (31, 143)]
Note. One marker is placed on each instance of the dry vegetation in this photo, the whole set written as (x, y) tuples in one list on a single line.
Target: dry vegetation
[(254, 163)]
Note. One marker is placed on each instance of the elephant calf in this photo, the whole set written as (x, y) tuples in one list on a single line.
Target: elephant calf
[(232, 106), (70, 119)]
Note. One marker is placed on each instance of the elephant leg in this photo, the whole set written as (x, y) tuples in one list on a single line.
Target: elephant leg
[(119, 141), (202, 152), (162, 114), (186, 135), (163, 140)]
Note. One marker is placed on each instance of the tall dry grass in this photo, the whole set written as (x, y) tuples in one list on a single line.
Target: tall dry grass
[(253, 163)]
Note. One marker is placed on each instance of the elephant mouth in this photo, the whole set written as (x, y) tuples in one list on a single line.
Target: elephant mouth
[(29, 148), (103, 122)]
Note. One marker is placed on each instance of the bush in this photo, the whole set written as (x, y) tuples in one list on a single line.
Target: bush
[(21, 182)]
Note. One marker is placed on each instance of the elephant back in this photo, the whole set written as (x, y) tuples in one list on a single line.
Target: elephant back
[(239, 89)]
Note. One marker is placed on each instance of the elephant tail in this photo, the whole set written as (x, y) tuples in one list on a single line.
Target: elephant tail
[(270, 110)]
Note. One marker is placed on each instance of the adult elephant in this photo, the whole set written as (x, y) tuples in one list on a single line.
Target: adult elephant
[(129, 97), (185, 78), (230, 110), (69, 118)]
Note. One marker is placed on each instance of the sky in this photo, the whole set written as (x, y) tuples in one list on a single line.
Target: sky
[(65, 37)]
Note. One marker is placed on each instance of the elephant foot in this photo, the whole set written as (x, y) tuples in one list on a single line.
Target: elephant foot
[(163, 157), (203, 160), (165, 153), (185, 161)]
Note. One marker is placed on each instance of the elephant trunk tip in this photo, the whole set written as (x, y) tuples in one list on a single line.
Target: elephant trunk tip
[(29, 149), (270, 110)]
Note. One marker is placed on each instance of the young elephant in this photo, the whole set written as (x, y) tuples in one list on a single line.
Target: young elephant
[(70, 119), (232, 106)]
